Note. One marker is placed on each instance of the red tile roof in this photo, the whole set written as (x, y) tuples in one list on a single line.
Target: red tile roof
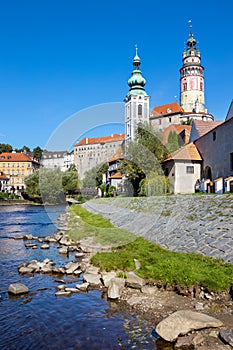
[(4, 176), (167, 109), (104, 139), (118, 155), (188, 152), (178, 128), (203, 127), (116, 176), (16, 157)]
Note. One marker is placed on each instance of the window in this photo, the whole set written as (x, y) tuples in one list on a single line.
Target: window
[(201, 86), (190, 169), (214, 135), (170, 120), (231, 160), (140, 109), (185, 86)]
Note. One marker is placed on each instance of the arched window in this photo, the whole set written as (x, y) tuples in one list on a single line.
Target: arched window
[(140, 110)]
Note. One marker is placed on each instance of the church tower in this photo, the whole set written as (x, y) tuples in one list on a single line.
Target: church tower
[(136, 101), (192, 89)]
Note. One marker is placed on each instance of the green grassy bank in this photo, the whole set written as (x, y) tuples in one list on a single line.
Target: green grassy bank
[(158, 265)]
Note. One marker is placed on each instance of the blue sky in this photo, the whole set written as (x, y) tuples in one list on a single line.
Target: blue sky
[(59, 57)]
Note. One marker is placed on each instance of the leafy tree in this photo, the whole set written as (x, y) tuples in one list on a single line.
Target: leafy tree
[(50, 184), (173, 141), (93, 177), (25, 149), (5, 147), (187, 122), (32, 186), (37, 152), (143, 157), (154, 185), (70, 180)]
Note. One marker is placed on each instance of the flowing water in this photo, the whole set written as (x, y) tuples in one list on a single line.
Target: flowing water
[(40, 320)]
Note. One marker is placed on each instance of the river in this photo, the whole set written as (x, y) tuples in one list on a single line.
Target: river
[(41, 320)]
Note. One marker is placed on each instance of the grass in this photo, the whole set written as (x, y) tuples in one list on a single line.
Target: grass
[(158, 265), (83, 224), (167, 268)]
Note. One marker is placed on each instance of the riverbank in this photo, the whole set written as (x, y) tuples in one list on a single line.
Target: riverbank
[(155, 303)]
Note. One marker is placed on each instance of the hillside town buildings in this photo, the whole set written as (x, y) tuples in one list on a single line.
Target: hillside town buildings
[(15, 167), (57, 160), (90, 152)]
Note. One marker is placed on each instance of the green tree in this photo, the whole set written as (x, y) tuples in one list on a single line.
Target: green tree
[(37, 152), (143, 157), (94, 177), (5, 147), (173, 142), (32, 186), (70, 180)]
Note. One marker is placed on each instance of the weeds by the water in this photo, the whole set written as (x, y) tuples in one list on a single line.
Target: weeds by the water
[(168, 268), (158, 265), (83, 224)]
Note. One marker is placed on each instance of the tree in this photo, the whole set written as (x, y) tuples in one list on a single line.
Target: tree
[(5, 147), (143, 157), (94, 177), (37, 152), (32, 186), (25, 149), (70, 180), (173, 142)]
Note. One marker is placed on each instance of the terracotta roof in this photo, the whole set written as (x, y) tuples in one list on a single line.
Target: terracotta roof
[(203, 127), (178, 128), (229, 178), (104, 139), (188, 152), (116, 176), (118, 155), (16, 157), (168, 109)]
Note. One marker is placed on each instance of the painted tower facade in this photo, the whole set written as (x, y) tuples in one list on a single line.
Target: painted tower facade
[(136, 102), (192, 89)]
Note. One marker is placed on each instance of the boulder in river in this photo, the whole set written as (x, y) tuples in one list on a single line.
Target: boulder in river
[(183, 321), (92, 279), (134, 281), (17, 288), (227, 336), (115, 288)]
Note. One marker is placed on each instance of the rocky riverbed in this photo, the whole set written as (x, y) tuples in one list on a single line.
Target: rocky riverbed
[(132, 293)]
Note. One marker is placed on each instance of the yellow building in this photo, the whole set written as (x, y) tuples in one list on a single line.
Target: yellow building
[(17, 166)]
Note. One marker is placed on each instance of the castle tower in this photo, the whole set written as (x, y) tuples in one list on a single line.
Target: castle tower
[(136, 101), (192, 90)]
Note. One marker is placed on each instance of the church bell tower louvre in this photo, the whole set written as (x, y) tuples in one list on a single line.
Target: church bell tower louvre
[(192, 88), (136, 101)]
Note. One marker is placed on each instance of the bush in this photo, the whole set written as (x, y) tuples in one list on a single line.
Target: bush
[(154, 186)]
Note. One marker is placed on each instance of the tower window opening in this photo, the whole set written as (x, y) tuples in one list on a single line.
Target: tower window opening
[(185, 86), (140, 110), (214, 135), (201, 86)]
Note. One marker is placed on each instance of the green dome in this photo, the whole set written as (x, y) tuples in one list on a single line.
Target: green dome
[(136, 82)]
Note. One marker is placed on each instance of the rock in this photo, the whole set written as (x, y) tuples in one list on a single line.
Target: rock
[(63, 250), (150, 290), (35, 246), (189, 342), (44, 246), (134, 300), (134, 281), (61, 287), (17, 288), (24, 270), (59, 270), (137, 264), (47, 268), (199, 306), (65, 241), (106, 277), (71, 267), (77, 272), (79, 255), (83, 287), (30, 245), (28, 237), (63, 294), (227, 336), (115, 288), (92, 279), (184, 321), (92, 269), (72, 290)]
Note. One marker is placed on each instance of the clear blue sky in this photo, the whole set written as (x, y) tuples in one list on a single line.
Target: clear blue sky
[(58, 57)]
